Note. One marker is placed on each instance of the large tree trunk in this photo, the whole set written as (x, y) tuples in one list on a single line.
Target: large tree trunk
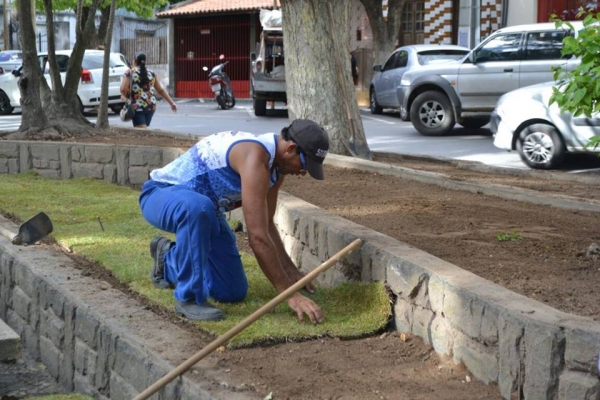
[(63, 110), (33, 119), (318, 78), (102, 121), (97, 37), (386, 33)]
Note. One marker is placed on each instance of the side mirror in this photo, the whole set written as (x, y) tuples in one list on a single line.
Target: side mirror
[(252, 57), (377, 68), (205, 68), (16, 72)]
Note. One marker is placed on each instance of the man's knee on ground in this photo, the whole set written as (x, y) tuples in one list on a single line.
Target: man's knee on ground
[(231, 296)]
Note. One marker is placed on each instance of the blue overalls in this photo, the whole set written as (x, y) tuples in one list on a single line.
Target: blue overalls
[(188, 197)]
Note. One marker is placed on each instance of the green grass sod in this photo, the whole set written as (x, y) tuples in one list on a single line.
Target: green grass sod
[(75, 208)]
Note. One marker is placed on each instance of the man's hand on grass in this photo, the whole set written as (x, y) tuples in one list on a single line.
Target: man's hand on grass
[(296, 275), (303, 305)]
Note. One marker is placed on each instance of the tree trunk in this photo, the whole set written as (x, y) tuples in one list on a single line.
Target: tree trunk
[(102, 121), (319, 82), (63, 111), (386, 34), (33, 119)]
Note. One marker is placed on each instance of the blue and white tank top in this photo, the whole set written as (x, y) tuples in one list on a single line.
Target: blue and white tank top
[(205, 168)]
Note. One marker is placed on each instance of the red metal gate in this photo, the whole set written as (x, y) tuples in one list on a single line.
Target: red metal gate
[(200, 41)]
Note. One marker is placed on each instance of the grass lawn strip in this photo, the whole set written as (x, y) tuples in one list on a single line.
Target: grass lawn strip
[(75, 208)]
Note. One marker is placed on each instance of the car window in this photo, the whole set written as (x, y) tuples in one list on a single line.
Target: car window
[(500, 48), (544, 45), (391, 62), (63, 62), (435, 56), (9, 56), (96, 61), (401, 59)]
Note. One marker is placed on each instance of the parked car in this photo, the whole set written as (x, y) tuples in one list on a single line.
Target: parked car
[(523, 121), (436, 97), (382, 93), (88, 92), (10, 60)]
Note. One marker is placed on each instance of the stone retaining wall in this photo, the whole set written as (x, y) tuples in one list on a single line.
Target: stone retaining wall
[(119, 164), (499, 335)]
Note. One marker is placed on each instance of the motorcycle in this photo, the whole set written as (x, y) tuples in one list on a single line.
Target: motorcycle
[(221, 85)]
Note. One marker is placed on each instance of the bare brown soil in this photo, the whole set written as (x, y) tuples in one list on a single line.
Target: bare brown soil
[(549, 264)]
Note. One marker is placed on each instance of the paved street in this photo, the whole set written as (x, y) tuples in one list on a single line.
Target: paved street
[(386, 132)]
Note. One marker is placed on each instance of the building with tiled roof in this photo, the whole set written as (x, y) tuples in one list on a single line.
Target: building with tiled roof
[(217, 6)]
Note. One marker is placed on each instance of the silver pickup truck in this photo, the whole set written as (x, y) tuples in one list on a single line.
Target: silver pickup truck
[(267, 75), (436, 97)]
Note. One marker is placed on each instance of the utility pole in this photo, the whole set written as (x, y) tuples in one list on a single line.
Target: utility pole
[(5, 17)]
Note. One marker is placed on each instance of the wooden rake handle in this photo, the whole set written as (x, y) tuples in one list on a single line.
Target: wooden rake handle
[(224, 338)]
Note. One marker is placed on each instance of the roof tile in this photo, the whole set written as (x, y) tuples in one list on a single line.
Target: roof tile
[(212, 6)]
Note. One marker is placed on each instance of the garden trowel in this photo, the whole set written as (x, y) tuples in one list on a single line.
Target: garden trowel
[(31, 230)]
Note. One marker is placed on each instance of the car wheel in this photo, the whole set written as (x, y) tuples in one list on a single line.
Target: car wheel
[(375, 108), (541, 146), (5, 107), (116, 108), (431, 114), (475, 123), (260, 107)]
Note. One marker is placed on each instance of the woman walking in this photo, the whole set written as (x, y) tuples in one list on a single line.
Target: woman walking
[(140, 85)]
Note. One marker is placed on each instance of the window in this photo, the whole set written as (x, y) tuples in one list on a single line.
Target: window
[(440, 56), (96, 61), (413, 16), (391, 62), (63, 63), (544, 45), (401, 59), (500, 48)]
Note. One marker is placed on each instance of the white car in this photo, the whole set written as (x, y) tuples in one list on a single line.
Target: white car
[(88, 92), (524, 121)]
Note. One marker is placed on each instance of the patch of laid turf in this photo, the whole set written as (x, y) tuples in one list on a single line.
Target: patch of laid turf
[(102, 222)]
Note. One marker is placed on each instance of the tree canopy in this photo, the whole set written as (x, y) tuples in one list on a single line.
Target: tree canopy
[(144, 9)]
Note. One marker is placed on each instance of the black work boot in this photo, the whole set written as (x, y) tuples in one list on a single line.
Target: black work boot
[(198, 312), (158, 247)]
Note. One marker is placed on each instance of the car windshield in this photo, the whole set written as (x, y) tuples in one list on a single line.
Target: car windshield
[(9, 56), (95, 61), (440, 56)]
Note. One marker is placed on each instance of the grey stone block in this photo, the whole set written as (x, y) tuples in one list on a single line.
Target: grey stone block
[(98, 154), (80, 357), (86, 328), (145, 156), (48, 173), (422, 320), (442, 335), (15, 322), (87, 170), (9, 150), (105, 357), (138, 175), (82, 385), (578, 385), (122, 166), (54, 329), (25, 280), (65, 162), (129, 363), (10, 343), (403, 315), (120, 389), (45, 151), (544, 351), (480, 359), (77, 154), (50, 356), (21, 304), (510, 353), (3, 165), (581, 352), (466, 312), (435, 292), (24, 158), (110, 173), (13, 166)]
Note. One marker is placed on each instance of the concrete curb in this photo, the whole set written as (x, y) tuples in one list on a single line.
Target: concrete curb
[(503, 191)]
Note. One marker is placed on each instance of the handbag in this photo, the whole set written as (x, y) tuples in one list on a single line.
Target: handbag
[(128, 112)]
